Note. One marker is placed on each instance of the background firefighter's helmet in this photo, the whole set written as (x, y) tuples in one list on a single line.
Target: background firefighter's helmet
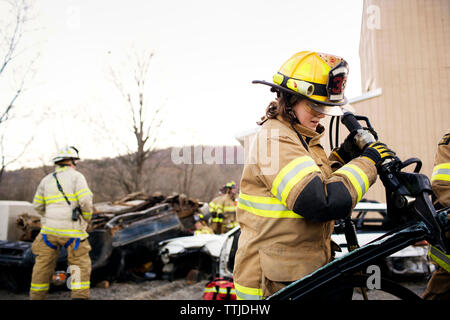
[(319, 77), (66, 153), (231, 185)]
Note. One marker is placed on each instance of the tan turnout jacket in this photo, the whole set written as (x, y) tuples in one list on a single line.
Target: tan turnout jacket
[(439, 285), (57, 214), (440, 179), (276, 243), (225, 205)]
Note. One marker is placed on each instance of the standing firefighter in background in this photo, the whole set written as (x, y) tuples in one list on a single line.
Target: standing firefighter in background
[(226, 207), (439, 285), (290, 192), (224, 214), (64, 200), (216, 222)]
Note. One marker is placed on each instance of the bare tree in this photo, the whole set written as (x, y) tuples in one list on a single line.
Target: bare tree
[(131, 80), (12, 31), (185, 177)]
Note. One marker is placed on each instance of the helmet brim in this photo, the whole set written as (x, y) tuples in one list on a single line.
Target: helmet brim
[(328, 110), (59, 159), (327, 103)]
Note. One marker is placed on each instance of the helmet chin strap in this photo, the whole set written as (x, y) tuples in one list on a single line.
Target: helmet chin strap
[(293, 118)]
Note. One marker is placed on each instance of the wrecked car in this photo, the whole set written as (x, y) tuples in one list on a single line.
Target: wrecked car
[(214, 254), (196, 253), (370, 222)]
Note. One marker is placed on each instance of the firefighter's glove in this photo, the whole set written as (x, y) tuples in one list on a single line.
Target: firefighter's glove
[(348, 150), (377, 152)]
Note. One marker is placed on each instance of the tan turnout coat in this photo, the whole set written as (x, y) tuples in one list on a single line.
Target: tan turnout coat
[(57, 214), (439, 285), (276, 243)]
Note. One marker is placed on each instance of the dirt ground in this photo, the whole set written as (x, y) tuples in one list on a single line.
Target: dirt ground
[(148, 290), (175, 290)]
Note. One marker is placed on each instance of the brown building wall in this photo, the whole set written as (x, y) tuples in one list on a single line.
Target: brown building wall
[(405, 51)]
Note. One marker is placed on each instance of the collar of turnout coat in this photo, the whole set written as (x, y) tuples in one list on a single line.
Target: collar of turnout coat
[(313, 137)]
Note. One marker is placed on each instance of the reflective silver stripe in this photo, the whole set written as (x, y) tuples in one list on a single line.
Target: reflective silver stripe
[(249, 294), (292, 174), (357, 177), (269, 207), (39, 287), (245, 296), (263, 206), (63, 232), (80, 285), (442, 171), (436, 253)]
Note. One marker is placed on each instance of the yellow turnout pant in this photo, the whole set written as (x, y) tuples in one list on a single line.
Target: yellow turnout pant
[(46, 259)]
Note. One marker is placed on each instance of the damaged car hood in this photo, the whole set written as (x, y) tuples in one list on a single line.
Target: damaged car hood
[(210, 243)]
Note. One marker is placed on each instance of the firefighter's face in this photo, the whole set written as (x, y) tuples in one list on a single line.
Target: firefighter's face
[(306, 115)]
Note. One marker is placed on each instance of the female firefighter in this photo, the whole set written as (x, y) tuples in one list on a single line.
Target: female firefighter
[(290, 190)]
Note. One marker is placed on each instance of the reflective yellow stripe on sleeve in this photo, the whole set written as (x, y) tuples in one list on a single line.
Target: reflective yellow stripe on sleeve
[(357, 177), (290, 175), (82, 193), (269, 207), (39, 199), (246, 293), (440, 258), (87, 215), (441, 172)]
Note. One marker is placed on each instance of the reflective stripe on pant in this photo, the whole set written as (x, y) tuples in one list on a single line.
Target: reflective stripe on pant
[(217, 223), (246, 293), (217, 227), (46, 258)]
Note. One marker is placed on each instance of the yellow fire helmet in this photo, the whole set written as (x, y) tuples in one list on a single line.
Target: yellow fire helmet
[(66, 153), (230, 185), (319, 77)]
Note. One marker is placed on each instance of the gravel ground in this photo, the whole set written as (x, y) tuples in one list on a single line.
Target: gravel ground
[(416, 287), (175, 290), (148, 290)]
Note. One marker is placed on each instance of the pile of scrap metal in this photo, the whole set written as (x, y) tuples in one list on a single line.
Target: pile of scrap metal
[(124, 236)]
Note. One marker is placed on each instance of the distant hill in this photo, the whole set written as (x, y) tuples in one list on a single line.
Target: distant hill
[(109, 178)]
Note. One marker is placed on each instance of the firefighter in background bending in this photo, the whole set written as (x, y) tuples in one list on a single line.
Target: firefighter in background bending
[(200, 225), (438, 287), (64, 200)]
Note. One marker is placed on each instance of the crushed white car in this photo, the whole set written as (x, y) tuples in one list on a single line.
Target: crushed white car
[(214, 254)]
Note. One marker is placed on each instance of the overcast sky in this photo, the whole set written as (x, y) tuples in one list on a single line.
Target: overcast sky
[(207, 53)]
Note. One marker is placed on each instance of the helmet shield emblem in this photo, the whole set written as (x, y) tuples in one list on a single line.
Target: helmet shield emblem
[(337, 79)]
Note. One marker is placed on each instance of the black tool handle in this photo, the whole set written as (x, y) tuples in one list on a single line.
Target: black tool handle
[(350, 121), (362, 136)]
